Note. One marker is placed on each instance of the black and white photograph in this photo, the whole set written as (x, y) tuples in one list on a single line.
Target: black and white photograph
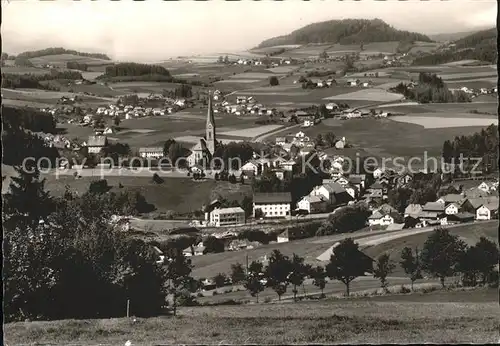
[(249, 172)]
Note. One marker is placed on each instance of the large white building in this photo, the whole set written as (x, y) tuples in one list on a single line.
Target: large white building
[(272, 204), (227, 216), (152, 152)]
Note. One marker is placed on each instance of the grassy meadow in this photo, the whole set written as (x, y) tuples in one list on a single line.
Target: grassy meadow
[(437, 317)]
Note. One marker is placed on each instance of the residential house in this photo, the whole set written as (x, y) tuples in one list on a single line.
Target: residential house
[(452, 208), (433, 207), (377, 173), (353, 82), (281, 141), (151, 152), (313, 204), (331, 106), (379, 218), (451, 198), (376, 190), (488, 210), (227, 216), (461, 217), (340, 144), (272, 204), (283, 237), (194, 250), (358, 179), (333, 192), (96, 143), (251, 168), (367, 84), (404, 179), (487, 187), (305, 118)]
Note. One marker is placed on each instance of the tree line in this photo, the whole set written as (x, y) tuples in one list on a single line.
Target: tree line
[(33, 81), (431, 88), (443, 255), (28, 118), (482, 144), (60, 50), (134, 69), (75, 65)]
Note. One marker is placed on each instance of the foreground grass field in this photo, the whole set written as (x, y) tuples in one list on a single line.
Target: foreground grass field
[(437, 317)]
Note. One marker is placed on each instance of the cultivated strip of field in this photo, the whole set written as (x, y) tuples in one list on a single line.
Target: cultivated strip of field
[(433, 122), (367, 95), (252, 132)]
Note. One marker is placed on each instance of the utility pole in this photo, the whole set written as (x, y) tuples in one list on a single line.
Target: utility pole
[(128, 308), (247, 264)]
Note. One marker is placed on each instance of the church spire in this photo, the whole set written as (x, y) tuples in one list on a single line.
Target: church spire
[(210, 128)]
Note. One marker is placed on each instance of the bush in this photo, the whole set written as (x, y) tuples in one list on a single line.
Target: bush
[(404, 289), (267, 300), (215, 293)]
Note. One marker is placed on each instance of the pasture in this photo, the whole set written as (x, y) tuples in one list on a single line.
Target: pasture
[(24, 70), (389, 138), (437, 317), (252, 132), (369, 94), (60, 60), (459, 120)]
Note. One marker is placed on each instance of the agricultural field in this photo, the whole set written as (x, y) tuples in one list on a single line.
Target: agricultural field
[(30, 96), (459, 120), (60, 60), (368, 94), (252, 132), (24, 70), (184, 194)]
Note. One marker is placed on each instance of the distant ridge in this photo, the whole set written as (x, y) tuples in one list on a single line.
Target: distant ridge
[(345, 31), (453, 36), (60, 50)]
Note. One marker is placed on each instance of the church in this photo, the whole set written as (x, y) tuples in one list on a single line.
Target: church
[(205, 148)]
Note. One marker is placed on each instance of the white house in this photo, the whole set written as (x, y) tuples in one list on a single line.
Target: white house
[(283, 237), (377, 173), (227, 216), (451, 209), (380, 219), (96, 143), (484, 186), (272, 204), (487, 211), (312, 204), (331, 106), (151, 152)]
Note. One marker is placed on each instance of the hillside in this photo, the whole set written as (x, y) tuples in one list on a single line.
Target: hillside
[(481, 46), (346, 31), (452, 36), (58, 51)]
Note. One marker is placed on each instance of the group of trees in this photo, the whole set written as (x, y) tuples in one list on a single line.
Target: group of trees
[(30, 119), (63, 259), (274, 81), (347, 219), (223, 60), (422, 189), (33, 81), (134, 69), (443, 255), (174, 150), (431, 88), (233, 154), (75, 65), (483, 145)]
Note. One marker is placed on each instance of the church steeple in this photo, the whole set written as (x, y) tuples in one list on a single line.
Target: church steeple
[(210, 128)]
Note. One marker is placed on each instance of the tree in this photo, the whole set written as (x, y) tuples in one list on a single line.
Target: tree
[(277, 272), (220, 279), (298, 272), (349, 62), (232, 179), (167, 145), (99, 187), (117, 121), (220, 60), (399, 198), (441, 254), (479, 260), (237, 273), (253, 279), (213, 245), (273, 81), (323, 55), (330, 139), (383, 267), (411, 264), (226, 60), (347, 263), (319, 278), (178, 274), (319, 140)]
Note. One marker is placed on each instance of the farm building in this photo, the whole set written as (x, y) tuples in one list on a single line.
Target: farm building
[(151, 152)]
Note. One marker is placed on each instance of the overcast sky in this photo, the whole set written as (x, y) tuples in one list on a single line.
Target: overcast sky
[(156, 30)]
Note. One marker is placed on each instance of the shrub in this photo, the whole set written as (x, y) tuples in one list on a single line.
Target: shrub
[(267, 300), (215, 293), (404, 289)]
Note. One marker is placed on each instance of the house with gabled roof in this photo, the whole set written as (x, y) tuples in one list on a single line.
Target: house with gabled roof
[(96, 143), (272, 204), (313, 204), (376, 189)]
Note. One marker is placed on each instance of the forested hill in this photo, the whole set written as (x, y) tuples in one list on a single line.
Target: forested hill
[(478, 39), (481, 46), (60, 50), (346, 31)]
